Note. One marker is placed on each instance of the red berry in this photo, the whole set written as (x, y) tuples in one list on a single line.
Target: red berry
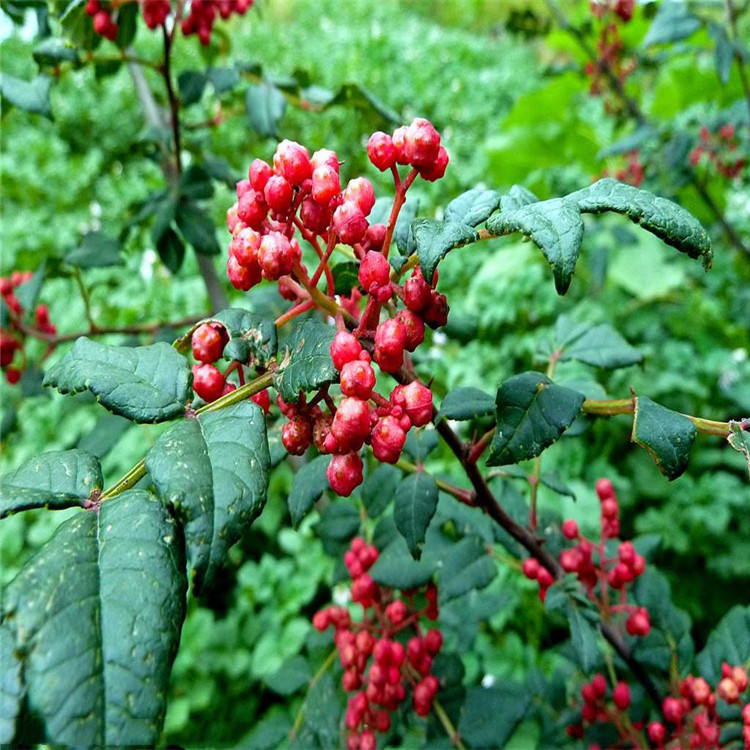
[(621, 695), (421, 143), (416, 292), (638, 624), (399, 144), (324, 156), (361, 192), (321, 620), (388, 440), (345, 473), (570, 560), (242, 277), (357, 379), (208, 382), (41, 316), (296, 435), (374, 271), (396, 611), (276, 256), (416, 401), (604, 489), (375, 236), (263, 399), (278, 194), (599, 684), (325, 184), (433, 641), (414, 328), (252, 209), (344, 348), (363, 590), (259, 174), (208, 342), (12, 375), (351, 425), (436, 312), (739, 676), (381, 151), (292, 161), (728, 691), (530, 568), (367, 740), (700, 691), (245, 246), (8, 347), (589, 712), (672, 709), (436, 171), (570, 529), (657, 732), (314, 216), (390, 340), (349, 223)]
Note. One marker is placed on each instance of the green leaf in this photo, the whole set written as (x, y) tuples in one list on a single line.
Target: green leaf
[(97, 615), (12, 690), (55, 480), (304, 361), (77, 26), (310, 482), (532, 413), (466, 403), (396, 568), (723, 51), (553, 482), (739, 439), (53, 51), (28, 292), (379, 487), (223, 79), (127, 24), (517, 197), (420, 443), (213, 471), (105, 434), (354, 95), (555, 226), (142, 383), (466, 567), (171, 249), (728, 642), (196, 184), (473, 207), (295, 674), (436, 238), (96, 250), (491, 715), (582, 638), (345, 277), (672, 23), (30, 96), (663, 218), (197, 228), (416, 501), (599, 346), (667, 435), (191, 84), (265, 106)]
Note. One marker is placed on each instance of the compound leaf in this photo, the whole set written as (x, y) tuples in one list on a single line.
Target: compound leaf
[(214, 472), (416, 501), (532, 413), (667, 435), (435, 239), (142, 383), (96, 615), (57, 479), (304, 362), (310, 482)]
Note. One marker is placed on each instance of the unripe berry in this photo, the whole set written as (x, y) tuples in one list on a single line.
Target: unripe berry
[(421, 143), (242, 277), (349, 223), (374, 271), (416, 292), (345, 473), (436, 170), (351, 425), (381, 151), (278, 194), (388, 440), (292, 161), (414, 327), (530, 568), (259, 174), (344, 348), (245, 246), (252, 209), (570, 529), (208, 382), (357, 379), (621, 695), (657, 732), (208, 342), (325, 184), (390, 340), (296, 435), (360, 191), (276, 256)]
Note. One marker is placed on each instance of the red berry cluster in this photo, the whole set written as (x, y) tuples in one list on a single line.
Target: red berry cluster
[(599, 706), (208, 342), (302, 194), (719, 151), (631, 171), (199, 20), (12, 339), (605, 578), (378, 642), (623, 9)]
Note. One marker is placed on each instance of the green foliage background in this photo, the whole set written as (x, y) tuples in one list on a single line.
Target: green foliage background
[(511, 108)]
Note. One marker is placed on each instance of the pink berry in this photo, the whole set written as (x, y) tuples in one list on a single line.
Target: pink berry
[(388, 440), (349, 223), (351, 425), (278, 193), (361, 192), (381, 151), (421, 143), (325, 184), (357, 379), (728, 691), (399, 144), (570, 529), (259, 174), (325, 156), (344, 348), (345, 473), (390, 340), (244, 246), (208, 382), (208, 342), (252, 209), (292, 161), (621, 695), (276, 255), (374, 271)]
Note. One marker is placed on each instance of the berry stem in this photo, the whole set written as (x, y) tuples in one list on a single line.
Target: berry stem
[(450, 730), (398, 203), (480, 446), (293, 312)]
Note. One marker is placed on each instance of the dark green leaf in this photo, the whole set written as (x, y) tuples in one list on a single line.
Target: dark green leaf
[(555, 226), (127, 24), (30, 96), (58, 479), (96, 250), (355, 96), (53, 51), (196, 184), (12, 690), (77, 26), (728, 642), (197, 228), (105, 434), (665, 434), (600, 346), (28, 293), (379, 488), (416, 500), (473, 207), (223, 79), (345, 277), (320, 727), (436, 238), (304, 361), (554, 483), (396, 568), (191, 84), (166, 210), (265, 106), (723, 51), (466, 567), (171, 249), (630, 142), (532, 413), (672, 23), (466, 403), (491, 715), (517, 197), (295, 674), (663, 218), (97, 614), (143, 383), (582, 638), (420, 443), (214, 472), (310, 482)]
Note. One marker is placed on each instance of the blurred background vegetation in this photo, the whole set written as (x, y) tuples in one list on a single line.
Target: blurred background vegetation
[(504, 85)]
